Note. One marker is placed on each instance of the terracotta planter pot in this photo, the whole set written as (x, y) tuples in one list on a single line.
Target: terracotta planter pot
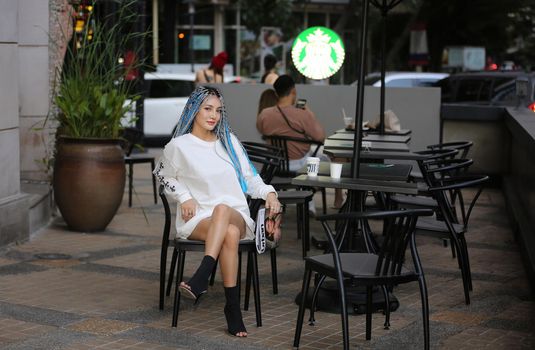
[(89, 179)]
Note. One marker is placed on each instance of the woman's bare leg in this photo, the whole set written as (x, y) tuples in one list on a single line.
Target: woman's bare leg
[(221, 233)]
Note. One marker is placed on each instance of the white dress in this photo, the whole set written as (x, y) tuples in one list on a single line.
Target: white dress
[(202, 170)]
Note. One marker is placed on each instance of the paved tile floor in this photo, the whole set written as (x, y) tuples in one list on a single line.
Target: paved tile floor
[(104, 293)]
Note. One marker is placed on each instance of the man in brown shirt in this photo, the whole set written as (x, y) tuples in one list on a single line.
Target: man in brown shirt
[(285, 119)]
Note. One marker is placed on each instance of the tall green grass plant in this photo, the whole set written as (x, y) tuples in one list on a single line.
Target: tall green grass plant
[(92, 93)]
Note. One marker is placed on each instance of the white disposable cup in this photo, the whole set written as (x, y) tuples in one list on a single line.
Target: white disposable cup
[(313, 166), (336, 170), (348, 121)]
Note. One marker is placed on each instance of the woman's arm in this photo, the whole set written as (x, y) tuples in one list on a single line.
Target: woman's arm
[(167, 174)]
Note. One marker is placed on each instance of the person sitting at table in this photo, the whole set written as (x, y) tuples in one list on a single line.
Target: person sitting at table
[(285, 119), (206, 169), (268, 98)]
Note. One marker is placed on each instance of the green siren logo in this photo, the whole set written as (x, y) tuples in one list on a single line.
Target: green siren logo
[(318, 53)]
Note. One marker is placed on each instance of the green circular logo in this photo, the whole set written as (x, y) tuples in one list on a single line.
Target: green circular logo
[(318, 53)]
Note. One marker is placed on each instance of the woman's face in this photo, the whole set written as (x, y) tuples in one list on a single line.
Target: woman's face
[(209, 113)]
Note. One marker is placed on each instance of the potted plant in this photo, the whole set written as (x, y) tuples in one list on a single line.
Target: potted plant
[(92, 99)]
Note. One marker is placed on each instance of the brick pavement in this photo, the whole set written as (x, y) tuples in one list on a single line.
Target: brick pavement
[(104, 293)]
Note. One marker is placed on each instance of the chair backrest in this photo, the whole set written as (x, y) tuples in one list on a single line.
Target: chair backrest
[(167, 224), (281, 142), (462, 146), (132, 137), (268, 157), (448, 191), (398, 233)]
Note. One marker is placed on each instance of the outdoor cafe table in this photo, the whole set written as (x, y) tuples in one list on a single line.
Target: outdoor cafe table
[(369, 171), (330, 144), (372, 137), (371, 131), (335, 153), (328, 296)]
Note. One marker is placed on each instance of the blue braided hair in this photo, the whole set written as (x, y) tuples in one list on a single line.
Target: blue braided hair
[(222, 129)]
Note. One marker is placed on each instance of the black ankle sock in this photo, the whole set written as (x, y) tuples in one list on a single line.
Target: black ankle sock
[(199, 281), (233, 311)]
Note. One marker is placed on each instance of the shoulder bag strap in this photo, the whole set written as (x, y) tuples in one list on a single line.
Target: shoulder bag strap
[(302, 132)]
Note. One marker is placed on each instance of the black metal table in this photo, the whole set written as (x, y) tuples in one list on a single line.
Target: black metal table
[(374, 131), (330, 144), (375, 155), (372, 137), (369, 171)]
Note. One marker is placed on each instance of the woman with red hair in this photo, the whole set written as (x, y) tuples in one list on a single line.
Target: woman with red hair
[(214, 73)]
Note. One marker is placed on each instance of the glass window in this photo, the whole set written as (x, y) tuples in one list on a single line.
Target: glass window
[(505, 94), (469, 90), (316, 19), (372, 79), (230, 16), (399, 83), (170, 88)]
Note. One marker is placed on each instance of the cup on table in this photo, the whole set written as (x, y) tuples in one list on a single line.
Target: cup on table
[(313, 166), (336, 170), (348, 122)]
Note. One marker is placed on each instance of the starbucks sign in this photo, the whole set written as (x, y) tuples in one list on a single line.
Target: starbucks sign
[(318, 53)]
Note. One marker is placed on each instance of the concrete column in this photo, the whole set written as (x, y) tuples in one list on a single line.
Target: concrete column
[(14, 221), (219, 31)]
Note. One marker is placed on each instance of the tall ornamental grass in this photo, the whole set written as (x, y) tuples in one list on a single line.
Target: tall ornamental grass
[(92, 92)]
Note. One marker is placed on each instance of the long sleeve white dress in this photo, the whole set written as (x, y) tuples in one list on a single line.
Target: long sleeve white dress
[(202, 170)]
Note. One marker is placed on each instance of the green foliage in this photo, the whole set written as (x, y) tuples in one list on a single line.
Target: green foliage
[(92, 92)]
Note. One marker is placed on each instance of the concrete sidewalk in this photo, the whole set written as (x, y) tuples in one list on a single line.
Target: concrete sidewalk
[(71, 290)]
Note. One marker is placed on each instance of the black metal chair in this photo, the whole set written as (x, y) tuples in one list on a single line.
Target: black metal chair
[(181, 246), (133, 137), (447, 181), (284, 175), (384, 268)]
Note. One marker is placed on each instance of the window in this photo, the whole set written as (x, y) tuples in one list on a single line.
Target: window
[(170, 88), (399, 83), (469, 90)]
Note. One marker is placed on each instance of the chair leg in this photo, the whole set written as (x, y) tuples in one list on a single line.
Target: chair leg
[(462, 265), (256, 290), (301, 313), (306, 228), (425, 310), (172, 272), (153, 182), (130, 180), (163, 267), (248, 278), (369, 293), (311, 319), (179, 274), (387, 307), (238, 278), (464, 246), (299, 214), (274, 279), (324, 200), (343, 314)]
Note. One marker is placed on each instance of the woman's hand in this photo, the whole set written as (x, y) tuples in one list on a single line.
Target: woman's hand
[(273, 221), (188, 209), (273, 204)]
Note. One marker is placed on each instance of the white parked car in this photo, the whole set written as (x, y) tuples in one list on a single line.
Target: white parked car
[(404, 79), (167, 94)]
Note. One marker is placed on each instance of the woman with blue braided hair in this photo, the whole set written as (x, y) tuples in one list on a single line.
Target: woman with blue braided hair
[(205, 168)]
